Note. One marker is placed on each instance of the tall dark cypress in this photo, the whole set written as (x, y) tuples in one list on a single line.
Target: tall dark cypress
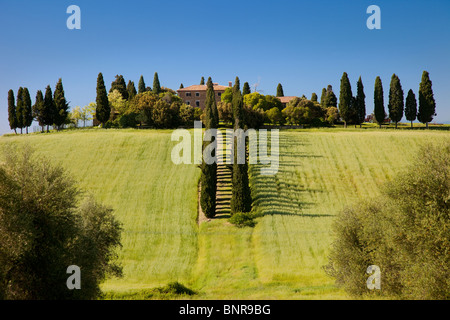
[(314, 97), (103, 110), (131, 89), (280, 92), (411, 107), (20, 110), (378, 97), (28, 109), (12, 117), (38, 109), (49, 108), (61, 105), (141, 85), (345, 99), (119, 85), (156, 84), (396, 100), (246, 89), (181, 86), (330, 99), (360, 103), (202, 81), (323, 98), (427, 104), (241, 200), (209, 171)]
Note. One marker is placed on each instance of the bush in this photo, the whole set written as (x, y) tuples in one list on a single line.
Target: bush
[(44, 229), (243, 219), (404, 232)]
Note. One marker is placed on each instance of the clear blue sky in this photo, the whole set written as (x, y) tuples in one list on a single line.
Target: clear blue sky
[(305, 45)]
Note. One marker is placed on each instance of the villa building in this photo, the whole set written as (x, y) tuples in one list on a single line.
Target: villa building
[(195, 95)]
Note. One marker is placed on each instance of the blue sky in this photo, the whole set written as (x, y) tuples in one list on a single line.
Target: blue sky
[(305, 45)]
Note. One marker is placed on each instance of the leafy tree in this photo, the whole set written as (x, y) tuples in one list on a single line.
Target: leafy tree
[(280, 92), (117, 102), (38, 109), (411, 107), (119, 85), (103, 110), (345, 100), (227, 96), (427, 104), (360, 103), (49, 108), (402, 230), (379, 112), (246, 89), (12, 116), (225, 111), (88, 112), (156, 84), (275, 116), (396, 100), (131, 89), (314, 97), (332, 115), (141, 85), (202, 81), (75, 116), (44, 229), (20, 110), (61, 105)]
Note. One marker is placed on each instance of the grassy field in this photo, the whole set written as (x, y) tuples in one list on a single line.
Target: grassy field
[(320, 172)]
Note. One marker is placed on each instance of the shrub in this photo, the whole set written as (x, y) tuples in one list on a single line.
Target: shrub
[(404, 232), (243, 219)]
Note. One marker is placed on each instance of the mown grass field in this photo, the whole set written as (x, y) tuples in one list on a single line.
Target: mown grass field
[(321, 171)]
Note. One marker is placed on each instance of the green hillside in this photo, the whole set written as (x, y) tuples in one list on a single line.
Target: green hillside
[(282, 257)]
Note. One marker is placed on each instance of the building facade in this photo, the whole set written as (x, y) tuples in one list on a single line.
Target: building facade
[(196, 95)]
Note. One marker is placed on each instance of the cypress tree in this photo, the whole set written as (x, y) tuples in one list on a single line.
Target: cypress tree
[(141, 85), (280, 92), (103, 110), (156, 84), (12, 117), (396, 100), (246, 89), (209, 171), (378, 97), (427, 104), (131, 89), (330, 99), (38, 109), (202, 81), (181, 86), (49, 108), (241, 200), (28, 109), (323, 98), (411, 107), (360, 103), (345, 99), (61, 105), (314, 97), (20, 112), (119, 85)]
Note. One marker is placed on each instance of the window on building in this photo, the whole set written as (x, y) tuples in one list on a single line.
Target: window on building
[(188, 94), (219, 94), (188, 103), (197, 103), (197, 94)]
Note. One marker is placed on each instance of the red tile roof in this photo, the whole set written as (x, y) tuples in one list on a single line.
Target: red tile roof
[(286, 99), (200, 87)]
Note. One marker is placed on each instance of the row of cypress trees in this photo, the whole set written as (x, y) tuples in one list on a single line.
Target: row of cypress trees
[(128, 92), (352, 109), (241, 200), (48, 110)]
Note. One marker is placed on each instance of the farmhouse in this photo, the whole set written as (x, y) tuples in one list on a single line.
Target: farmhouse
[(286, 100), (195, 95)]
